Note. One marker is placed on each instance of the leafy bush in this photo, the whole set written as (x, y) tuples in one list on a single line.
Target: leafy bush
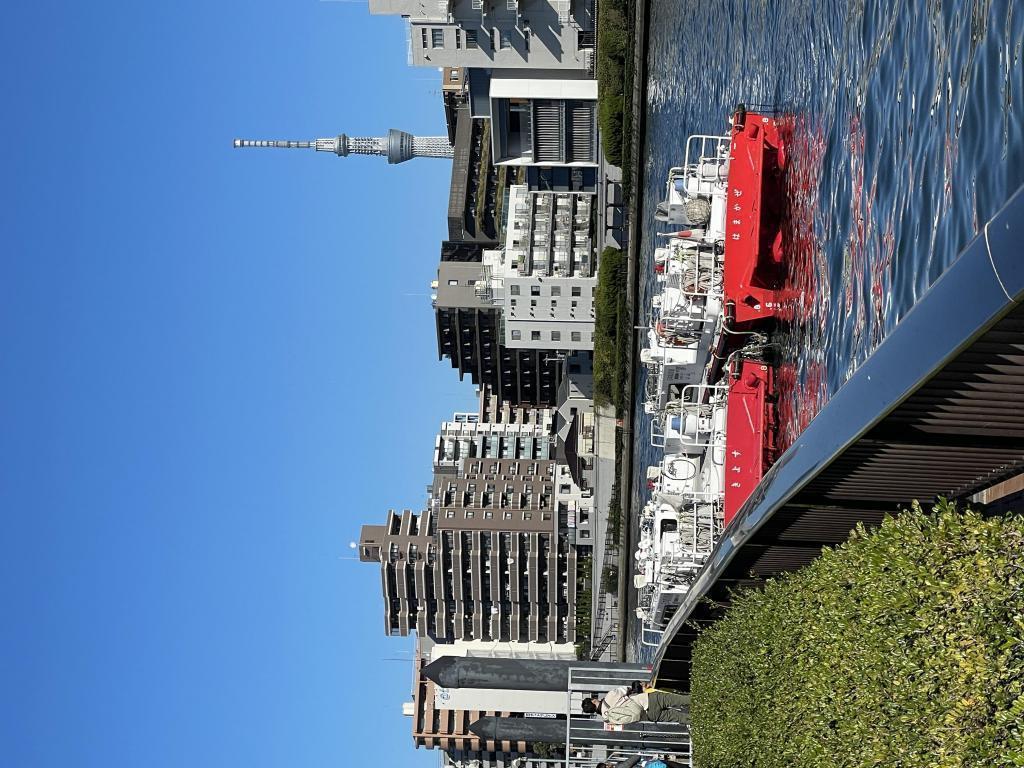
[(609, 120), (902, 647), (609, 300), (548, 750), (614, 49)]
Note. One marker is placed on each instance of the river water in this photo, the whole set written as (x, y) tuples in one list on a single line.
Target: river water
[(909, 135)]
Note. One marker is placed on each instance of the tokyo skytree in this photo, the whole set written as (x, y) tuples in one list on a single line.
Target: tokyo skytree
[(397, 146)]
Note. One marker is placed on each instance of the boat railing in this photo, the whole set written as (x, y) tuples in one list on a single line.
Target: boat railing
[(701, 275), (705, 150), (658, 430), (668, 323), (681, 570), (698, 400), (660, 434), (681, 318), (650, 636)]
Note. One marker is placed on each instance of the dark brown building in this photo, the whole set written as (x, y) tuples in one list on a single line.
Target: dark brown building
[(491, 559)]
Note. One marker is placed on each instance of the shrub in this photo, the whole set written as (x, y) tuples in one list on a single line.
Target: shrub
[(548, 750), (614, 49), (903, 646), (611, 285)]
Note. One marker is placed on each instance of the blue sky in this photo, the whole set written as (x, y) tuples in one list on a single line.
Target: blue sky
[(212, 374)]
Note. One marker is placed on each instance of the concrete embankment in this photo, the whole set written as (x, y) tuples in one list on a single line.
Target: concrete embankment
[(638, 118)]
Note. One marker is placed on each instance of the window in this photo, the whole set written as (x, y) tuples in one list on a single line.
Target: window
[(554, 303), (437, 38), (449, 513), (576, 290), (534, 335), (506, 43), (494, 39), (563, 488), (527, 515), (533, 302), (470, 514), (556, 290), (584, 534), (423, 37), (471, 38), (513, 302), (458, 38), (517, 335), (556, 335), (506, 515), (513, 290), (573, 304), (576, 336), (453, 282), (488, 514), (535, 290)]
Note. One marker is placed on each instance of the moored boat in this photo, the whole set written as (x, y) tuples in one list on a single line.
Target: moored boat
[(710, 387)]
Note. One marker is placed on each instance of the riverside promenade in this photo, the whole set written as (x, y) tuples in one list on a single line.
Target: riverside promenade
[(638, 118)]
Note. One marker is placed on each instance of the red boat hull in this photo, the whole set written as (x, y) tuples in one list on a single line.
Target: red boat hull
[(751, 427), (753, 222)]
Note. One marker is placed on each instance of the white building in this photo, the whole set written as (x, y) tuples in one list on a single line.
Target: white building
[(467, 436), (503, 34), (544, 278)]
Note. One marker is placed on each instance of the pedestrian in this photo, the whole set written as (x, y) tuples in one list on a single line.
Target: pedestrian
[(631, 704)]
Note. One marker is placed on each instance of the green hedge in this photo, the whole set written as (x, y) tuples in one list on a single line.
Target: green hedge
[(614, 48), (903, 647), (609, 301)]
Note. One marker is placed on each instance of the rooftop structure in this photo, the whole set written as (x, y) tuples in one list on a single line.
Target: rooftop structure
[(454, 93), (538, 117), (476, 190)]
